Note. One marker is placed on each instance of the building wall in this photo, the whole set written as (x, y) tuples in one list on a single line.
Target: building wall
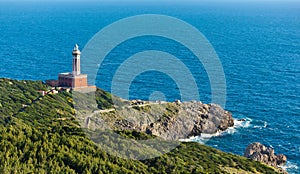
[(52, 83), (72, 81), (65, 81), (80, 82)]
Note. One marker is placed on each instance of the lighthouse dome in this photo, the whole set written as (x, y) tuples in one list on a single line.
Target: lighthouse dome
[(76, 50)]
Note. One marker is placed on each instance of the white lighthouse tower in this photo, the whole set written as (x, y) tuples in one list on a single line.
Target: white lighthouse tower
[(74, 80), (76, 61)]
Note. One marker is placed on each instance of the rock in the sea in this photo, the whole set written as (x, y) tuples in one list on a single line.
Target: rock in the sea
[(242, 119), (281, 159), (259, 152)]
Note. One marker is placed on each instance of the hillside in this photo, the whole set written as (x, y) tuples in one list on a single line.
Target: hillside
[(42, 135)]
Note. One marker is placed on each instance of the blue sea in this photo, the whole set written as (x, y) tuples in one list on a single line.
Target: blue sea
[(258, 44)]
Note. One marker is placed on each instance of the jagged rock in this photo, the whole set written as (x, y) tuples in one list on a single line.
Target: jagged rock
[(281, 159), (192, 119), (170, 121), (259, 152)]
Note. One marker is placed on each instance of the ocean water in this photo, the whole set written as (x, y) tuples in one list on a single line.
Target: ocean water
[(257, 43)]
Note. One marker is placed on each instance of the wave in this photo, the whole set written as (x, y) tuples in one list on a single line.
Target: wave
[(242, 123), (238, 124), (203, 138), (290, 167), (261, 126)]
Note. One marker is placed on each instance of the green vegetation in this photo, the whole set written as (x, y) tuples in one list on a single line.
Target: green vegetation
[(42, 135)]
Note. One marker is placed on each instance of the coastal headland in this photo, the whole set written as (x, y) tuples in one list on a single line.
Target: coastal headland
[(42, 132)]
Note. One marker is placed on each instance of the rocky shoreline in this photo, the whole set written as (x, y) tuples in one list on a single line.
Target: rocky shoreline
[(181, 120), (168, 120), (56, 119), (193, 119), (259, 152)]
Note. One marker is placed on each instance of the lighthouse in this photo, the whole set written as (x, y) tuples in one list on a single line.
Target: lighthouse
[(73, 80), (76, 61)]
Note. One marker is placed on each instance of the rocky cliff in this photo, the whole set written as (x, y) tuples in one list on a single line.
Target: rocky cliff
[(259, 152), (192, 119), (41, 134), (171, 121)]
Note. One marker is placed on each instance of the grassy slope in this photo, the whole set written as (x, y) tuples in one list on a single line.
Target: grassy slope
[(45, 137)]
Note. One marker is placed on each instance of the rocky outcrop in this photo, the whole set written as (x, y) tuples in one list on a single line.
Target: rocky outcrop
[(190, 119), (259, 152), (168, 120), (208, 118)]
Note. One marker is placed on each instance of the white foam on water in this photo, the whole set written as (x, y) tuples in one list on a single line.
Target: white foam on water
[(262, 126), (290, 167), (200, 139), (242, 124), (203, 138)]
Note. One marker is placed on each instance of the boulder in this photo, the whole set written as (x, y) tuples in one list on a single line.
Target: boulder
[(281, 159), (259, 152), (242, 120)]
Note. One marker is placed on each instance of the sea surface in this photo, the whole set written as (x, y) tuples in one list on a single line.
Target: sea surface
[(258, 45)]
